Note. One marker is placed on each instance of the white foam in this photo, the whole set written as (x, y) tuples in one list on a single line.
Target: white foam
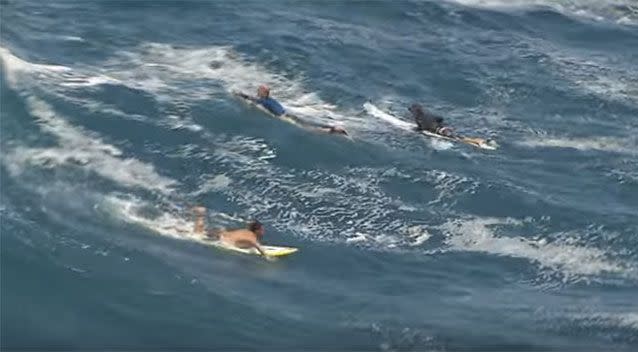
[(376, 112), (79, 147), (449, 186), (358, 237), (99, 107), (418, 235), (619, 11), (163, 70), (14, 66), (223, 64), (606, 144), (215, 184), (168, 224), (55, 76), (440, 144), (71, 38), (22, 75), (25, 77), (562, 256), (594, 75), (187, 126), (494, 3), (351, 206), (312, 204), (90, 81), (621, 88), (623, 320)]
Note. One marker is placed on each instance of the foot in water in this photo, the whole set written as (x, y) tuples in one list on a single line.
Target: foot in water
[(338, 130), (445, 131)]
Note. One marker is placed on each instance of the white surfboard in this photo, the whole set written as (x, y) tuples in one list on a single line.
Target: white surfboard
[(283, 117), (481, 143)]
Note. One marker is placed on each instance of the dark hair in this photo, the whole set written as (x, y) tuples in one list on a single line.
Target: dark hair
[(255, 226), (415, 108)]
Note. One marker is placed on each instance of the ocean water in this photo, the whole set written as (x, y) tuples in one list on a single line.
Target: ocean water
[(116, 118)]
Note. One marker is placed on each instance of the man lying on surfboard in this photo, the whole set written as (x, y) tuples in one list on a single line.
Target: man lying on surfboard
[(426, 121), (263, 98), (241, 238)]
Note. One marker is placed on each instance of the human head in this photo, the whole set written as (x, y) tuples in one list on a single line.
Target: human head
[(416, 109), (263, 91), (257, 228)]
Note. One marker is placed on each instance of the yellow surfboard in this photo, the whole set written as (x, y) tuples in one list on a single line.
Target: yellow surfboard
[(271, 251), (183, 230)]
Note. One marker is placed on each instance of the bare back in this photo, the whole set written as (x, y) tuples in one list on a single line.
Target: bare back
[(237, 237)]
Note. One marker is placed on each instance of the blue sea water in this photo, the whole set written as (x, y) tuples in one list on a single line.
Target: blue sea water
[(117, 117)]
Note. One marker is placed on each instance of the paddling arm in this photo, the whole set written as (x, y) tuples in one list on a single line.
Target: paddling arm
[(320, 128), (331, 130), (246, 243), (263, 253), (260, 250), (246, 96)]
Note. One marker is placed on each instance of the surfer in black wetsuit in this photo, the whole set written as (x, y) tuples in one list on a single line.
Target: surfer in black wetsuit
[(426, 121)]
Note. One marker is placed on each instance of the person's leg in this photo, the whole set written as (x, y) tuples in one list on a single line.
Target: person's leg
[(337, 130), (445, 131), (200, 224), (176, 229), (329, 129)]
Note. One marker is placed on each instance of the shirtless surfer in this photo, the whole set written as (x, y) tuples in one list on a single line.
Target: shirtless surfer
[(241, 238)]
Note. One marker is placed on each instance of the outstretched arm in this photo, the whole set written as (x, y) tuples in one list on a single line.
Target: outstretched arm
[(246, 96), (323, 128), (333, 130), (246, 243), (260, 250)]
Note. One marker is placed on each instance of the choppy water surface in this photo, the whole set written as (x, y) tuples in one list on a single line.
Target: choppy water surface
[(117, 117)]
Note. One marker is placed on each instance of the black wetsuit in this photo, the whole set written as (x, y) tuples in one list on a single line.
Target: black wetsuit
[(426, 121)]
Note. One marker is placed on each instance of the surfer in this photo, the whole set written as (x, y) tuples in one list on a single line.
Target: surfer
[(240, 238), (263, 98), (426, 121)]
